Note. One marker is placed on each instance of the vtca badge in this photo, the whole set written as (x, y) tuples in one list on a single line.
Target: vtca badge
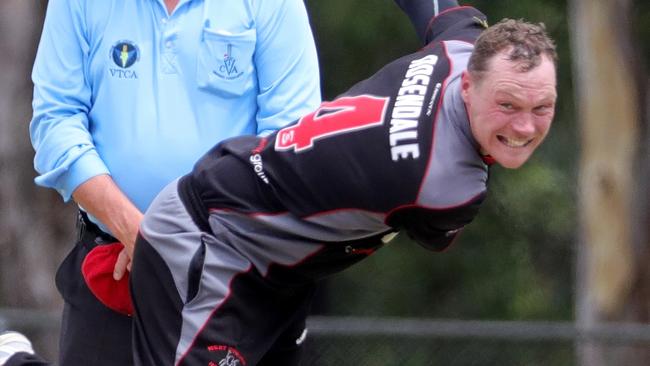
[(227, 69), (124, 54)]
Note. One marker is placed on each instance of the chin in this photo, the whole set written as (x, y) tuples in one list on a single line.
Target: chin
[(510, 165), (510, 162)]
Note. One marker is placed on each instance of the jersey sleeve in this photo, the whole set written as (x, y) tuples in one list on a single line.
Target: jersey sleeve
[(463, 23), (420, 12), (435, 229), (65, 152), (286, 62)]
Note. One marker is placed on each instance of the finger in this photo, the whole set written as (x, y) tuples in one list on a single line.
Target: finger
[(120, 265)]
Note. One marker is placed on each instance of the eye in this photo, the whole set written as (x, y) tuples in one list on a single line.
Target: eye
[(542, 109), (506, 106)]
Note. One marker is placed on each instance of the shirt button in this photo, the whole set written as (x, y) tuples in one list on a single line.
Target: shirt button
[(168, 44), (163, 20)]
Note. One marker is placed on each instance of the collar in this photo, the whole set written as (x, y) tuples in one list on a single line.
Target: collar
[(488, 159)]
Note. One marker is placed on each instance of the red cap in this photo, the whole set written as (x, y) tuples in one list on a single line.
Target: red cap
[(97, 269)]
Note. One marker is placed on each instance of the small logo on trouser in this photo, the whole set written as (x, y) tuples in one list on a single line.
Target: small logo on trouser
[(229, 360), (232, 357)]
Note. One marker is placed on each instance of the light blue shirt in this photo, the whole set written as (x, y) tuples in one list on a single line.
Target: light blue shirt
[(123, 88)]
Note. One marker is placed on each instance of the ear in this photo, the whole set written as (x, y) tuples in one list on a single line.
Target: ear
[(465, 85)]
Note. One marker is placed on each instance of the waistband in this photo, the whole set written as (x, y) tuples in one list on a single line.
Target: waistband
[(89, 234)]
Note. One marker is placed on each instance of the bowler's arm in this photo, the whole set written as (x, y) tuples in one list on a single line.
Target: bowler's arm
[(421, 11)]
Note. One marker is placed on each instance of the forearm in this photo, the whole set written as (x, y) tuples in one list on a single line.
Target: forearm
[(103, 199), (421, 11)]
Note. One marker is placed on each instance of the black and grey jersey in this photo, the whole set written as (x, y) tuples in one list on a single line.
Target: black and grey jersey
[(395, 152)]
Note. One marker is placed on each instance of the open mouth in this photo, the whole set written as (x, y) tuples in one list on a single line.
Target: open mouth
[(514, 143)]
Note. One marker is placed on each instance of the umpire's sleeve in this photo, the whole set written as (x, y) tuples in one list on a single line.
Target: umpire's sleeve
[(286, 62), (59, 130)]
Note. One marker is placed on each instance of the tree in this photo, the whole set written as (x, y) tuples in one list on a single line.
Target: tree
[(612, 271)]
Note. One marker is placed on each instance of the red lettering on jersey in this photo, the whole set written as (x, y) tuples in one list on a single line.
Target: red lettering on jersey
[(342, 115)]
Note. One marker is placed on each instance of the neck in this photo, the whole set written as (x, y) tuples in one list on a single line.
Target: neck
[(171, 5)]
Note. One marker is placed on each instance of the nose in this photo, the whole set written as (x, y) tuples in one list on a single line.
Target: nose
[(524, 124)]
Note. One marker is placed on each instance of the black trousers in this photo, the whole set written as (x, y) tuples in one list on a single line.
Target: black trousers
[(91, 333), (94, 335), (257, 325)]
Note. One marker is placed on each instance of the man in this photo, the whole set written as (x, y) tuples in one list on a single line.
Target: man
[(127, 95), (227, 255)]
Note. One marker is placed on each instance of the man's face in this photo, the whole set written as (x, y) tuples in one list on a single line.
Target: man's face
[(510, 112)]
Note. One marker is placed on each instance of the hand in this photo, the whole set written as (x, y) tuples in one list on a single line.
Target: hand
[(123, 262), (102, 198)]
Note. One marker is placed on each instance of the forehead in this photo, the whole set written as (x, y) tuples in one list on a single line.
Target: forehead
[(505, 76)]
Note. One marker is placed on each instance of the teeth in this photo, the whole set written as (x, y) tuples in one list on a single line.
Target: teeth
[(512, 142)]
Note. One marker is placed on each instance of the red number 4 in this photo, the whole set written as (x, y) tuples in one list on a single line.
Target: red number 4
[(342, 115)]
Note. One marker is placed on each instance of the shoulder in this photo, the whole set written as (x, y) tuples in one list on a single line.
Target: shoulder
[(87, 6), (57, 8), (258, 6), (459, 23), (252, 13), (265, 11), (87, 12), (456, 174)]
